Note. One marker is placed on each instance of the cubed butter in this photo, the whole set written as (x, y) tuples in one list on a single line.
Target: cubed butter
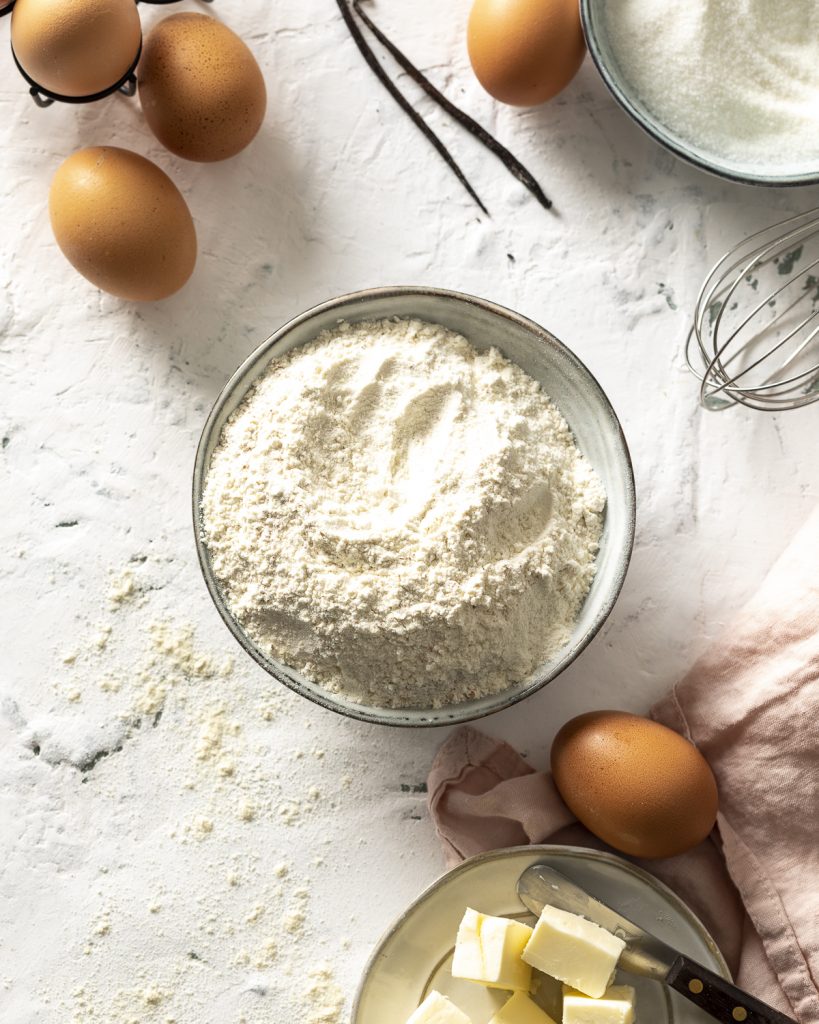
[(615, 1006), (437, 1009), (488, 950), (574, 950), (521, 1010)]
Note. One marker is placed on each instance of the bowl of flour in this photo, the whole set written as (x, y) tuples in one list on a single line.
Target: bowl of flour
[(731, 86), (412, 506)]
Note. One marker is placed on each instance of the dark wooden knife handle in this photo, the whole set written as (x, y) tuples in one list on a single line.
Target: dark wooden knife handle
[(724, 1001)]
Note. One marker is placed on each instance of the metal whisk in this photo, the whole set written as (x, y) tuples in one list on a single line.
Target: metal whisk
[(755, 337)]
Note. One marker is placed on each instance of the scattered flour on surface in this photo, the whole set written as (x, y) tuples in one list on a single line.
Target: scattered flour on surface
[(323, 1000), (214, 905), (122, 588), (403, 519)]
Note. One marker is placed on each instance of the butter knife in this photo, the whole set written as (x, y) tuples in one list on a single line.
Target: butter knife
[(644, 953)]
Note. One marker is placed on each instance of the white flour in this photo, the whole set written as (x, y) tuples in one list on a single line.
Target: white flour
[(738, 77), (401, 518)]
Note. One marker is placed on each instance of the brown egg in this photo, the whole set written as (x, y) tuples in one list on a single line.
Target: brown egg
[(638, 786), (75, 47), (201, 89), (525, 51), (122, 223)]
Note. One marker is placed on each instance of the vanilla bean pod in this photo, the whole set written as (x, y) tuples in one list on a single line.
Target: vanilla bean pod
[(509, 160), (400, 99)]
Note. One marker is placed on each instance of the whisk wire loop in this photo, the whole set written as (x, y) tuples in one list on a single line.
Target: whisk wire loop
[(754, 340)]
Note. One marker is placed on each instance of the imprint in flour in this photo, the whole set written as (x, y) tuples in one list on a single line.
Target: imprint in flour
[(421, 438), (511, 527), (394, 484)]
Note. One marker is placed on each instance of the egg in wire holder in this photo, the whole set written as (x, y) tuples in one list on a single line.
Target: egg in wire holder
[(45, 97), (126, 85)]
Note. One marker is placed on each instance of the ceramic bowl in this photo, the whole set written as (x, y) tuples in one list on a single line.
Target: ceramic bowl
[(593, 14), (567, 382), (415, 955)]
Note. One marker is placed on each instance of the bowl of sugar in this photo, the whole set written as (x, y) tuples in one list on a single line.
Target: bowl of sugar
[(731, 86), (413, 507)]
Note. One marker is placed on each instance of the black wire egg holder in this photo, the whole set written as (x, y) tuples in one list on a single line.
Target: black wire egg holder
[(45, 97), (7, 10), (126, 85)]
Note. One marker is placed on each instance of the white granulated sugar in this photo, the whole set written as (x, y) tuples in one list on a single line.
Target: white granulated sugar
[(738, 78), (403, 519)]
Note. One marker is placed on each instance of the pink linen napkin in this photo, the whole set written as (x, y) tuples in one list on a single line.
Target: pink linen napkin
[(751, 705)]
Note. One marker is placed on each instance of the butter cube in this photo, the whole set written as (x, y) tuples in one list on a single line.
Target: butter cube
[(437, 1009), (521, 1010), (488, 950), (574, 950), (615, 1006)]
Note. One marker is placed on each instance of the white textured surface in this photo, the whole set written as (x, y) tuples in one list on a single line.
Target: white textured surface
[(101, 408)]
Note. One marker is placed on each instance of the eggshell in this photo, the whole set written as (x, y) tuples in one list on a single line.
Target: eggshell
[(75, 47), (525, 51), (122, 223), (201, 89), (638, 786)]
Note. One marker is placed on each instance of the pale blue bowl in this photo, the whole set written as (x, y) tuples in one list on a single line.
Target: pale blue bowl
[(567, 382), (593, 17)]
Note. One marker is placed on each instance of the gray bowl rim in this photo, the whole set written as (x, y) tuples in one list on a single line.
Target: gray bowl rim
[(655, 130), (541, 850), (408, 717)]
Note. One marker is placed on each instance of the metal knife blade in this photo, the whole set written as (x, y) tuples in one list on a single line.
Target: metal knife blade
[(644, 954)]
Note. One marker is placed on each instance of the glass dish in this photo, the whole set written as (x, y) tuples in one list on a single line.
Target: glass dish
[(415, 955)]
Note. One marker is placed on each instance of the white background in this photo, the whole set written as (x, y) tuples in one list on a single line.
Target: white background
[(102, 404)]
